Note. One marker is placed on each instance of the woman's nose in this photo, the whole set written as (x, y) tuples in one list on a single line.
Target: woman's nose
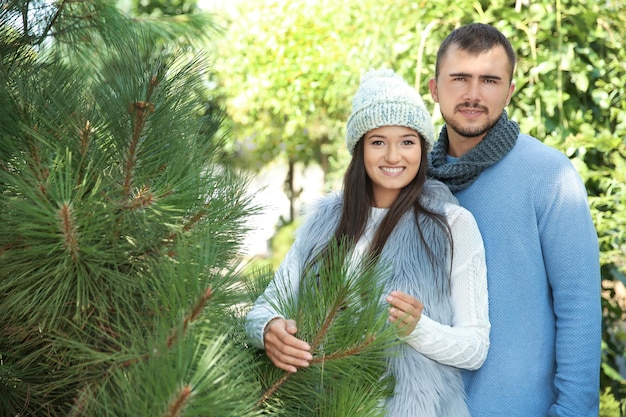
[(393, 154)]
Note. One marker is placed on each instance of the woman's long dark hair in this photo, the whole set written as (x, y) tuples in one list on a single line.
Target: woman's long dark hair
[(358, 199)]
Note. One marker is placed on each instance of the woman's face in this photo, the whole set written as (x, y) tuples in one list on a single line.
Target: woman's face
[(392, 157)]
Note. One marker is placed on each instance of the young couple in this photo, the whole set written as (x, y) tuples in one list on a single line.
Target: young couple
[(515, 329)]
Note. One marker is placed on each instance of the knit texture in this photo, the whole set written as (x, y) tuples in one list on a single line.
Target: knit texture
[(544, 287), (385, 99), (500, 140)]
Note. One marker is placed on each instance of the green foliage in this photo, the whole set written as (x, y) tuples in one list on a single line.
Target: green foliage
[(179, 21), (281, 241), (163, 7), (289, 93), (121, 224), (609, 406)]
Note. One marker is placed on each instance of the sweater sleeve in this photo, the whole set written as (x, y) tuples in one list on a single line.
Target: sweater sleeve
[(265, 308), (465, 343), (570, 250)]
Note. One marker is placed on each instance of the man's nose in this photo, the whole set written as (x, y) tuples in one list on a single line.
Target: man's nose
[(472, 91)]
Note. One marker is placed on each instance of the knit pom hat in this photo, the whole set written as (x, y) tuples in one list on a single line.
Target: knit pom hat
[(385, 99)]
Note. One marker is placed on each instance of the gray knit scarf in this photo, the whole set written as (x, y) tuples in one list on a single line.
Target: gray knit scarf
[(494, 146)]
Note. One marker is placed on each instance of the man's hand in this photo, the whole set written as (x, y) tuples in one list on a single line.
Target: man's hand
[(285, 350), (406, 310)]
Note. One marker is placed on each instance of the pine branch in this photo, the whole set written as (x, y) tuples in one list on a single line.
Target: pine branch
[(85, 393), (190, 223), (175, 334), (354, 350), (140, 111), (330, 317), (85, 136), (339, 307), (273, 388), (91, 186), (68, 229), (51, 22), (40, 172), (178, 405), (319, 337), (192, 316)]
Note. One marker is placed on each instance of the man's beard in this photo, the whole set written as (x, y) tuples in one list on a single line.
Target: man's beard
[(471, 131)]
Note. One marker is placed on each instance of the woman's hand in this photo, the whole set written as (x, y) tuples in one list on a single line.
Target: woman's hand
[(406, 310), (285, 350)]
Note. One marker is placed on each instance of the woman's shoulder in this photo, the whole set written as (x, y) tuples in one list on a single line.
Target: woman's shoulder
[(436, 194), (319, 219), (322, 209), (330, 201)]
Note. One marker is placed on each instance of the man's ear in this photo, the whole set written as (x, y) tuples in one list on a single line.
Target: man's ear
[(432, 86), (511, 90)]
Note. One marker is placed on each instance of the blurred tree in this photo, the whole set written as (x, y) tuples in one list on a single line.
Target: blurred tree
[(163, 7)]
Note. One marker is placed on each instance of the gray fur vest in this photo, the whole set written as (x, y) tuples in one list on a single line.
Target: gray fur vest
[(423, 388)]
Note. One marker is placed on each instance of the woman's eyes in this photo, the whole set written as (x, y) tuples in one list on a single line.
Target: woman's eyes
[(405, 142)]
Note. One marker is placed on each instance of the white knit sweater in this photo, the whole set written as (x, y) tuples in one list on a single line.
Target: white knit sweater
[(465, 343)]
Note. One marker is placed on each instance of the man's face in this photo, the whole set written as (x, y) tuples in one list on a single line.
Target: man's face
[(472, 91)]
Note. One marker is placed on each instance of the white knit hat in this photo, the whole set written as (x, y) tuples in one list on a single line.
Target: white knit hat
[(385, 99)]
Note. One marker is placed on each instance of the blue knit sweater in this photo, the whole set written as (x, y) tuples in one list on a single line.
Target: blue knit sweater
[(544, 287)]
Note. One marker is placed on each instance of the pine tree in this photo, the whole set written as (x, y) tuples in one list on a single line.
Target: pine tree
[(122, 221), (121, 224)]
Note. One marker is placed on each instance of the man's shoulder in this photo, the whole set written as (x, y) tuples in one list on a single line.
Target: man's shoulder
[(532, 144), (533, 153), (530, 166), (543, 166)]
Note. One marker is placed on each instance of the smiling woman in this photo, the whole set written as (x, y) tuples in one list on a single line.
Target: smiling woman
[(388, 211)]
